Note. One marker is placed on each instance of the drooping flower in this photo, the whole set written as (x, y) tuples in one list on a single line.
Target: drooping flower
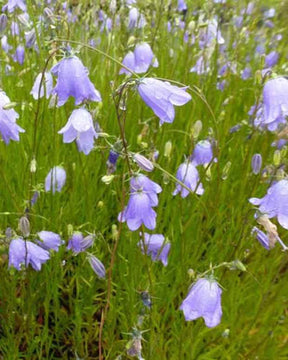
[(46, 86), (79, 86), (182, 5), (80, 127), (156, 247), (210, 34), (143, 162), (55, 179), (49, 240), (188, 174), (19, 55), (275, 202), (97, 266), (8, 127), (143, 196), (13, 4), (26, 252), (140, 60), (275, 102), (203, 300), (161, 97), (203, 153), (77, 243), (271, 59)]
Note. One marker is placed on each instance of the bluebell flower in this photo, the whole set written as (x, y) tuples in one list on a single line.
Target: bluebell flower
[(3, 22), (79, 86), (156, 247), (97, 266), (275, 202), (140, 60), (271, 59), (19, 55), (201, 67), (182, 5), (4, 44), (210, 34), (25, 252), (143, 162), (143, 196), (46, 86), (188, 174), (49, 240), (55, 179), (80, 127), (8, 128), (203, 153), (78, 243), (203, 300), (13, 4), (275, 102), (161, 97)]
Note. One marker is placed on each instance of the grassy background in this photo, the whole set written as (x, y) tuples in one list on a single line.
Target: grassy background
[(56, 313)]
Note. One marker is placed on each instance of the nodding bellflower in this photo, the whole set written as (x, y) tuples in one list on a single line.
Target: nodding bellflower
[(140, 60), (26, 252), (8, 128), (161, 97), (55, 179), (203, 300), (275, 103), (49, 240), (80, 127), (77, 243), (275, 202), (19, 55), (13, 4), (155, 246), (143, 196), (97, 266), (73, 80), (203, 153), (188, 174), (46, 86)]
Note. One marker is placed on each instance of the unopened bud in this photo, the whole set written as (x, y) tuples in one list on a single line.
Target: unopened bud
[(70, 230), (226, 170), (33, 166), (256, 163), (114, 232), (3, 22), (24, 226), (197, 127), (107, 179), (277, 157), (168, 149), (143, 162)]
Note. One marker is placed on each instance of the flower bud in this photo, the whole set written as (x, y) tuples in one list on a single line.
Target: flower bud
[(33, 166), (277, 158), (97, 266), (256, 163), (3, 22), (196, 129), (143, 162), (107, 179), (24, 226), (168, 149)]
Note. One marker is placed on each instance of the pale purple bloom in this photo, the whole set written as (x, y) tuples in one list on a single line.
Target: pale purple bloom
[(112, 160), (182, 5), (201, 67), (203, 153), (77, 243), (271, 59), (275, 202), (49, 240), (275, 102), (133, 18), (256, 163), (3, 22), (15, 28), (73, 80), (19, 55), (188, 174), (156, 247), (13, 4), (140, 60), (55, 179), (80, 127), (46, 86), (203, 300), (209, 34), (143, 196), (8, 127), (26, 252), (246, 73), (161, 97), (4, 44), (261, 237), (97, 266)]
